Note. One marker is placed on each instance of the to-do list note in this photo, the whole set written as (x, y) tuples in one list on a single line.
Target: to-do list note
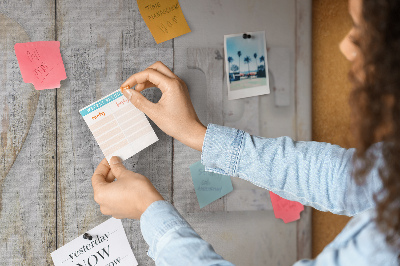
[(118, 126)]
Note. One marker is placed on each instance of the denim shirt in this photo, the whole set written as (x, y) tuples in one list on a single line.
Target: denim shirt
[(312, 173)]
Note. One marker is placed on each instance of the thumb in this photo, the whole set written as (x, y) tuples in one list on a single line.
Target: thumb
[(138, 100), (117, 167)]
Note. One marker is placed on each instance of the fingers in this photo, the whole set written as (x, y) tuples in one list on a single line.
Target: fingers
[(110, 177), (160, 67), (140, 102), (117, 167), (143, 86), (159, 80), (100, 174)]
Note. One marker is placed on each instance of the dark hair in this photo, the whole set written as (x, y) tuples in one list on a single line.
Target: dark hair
[(375, 102)]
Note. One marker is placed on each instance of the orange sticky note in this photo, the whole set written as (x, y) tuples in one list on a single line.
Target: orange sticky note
[(284, 209), (41, 63), (164, 18)]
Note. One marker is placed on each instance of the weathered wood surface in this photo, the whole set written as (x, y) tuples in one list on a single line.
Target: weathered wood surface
[(46, 197), (28, 142), (103, 43)]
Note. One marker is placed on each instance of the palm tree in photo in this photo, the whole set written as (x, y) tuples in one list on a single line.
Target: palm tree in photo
[(255, 60), (262, 59), (234, 68), (247, 60), (239, 53), (230, 60)]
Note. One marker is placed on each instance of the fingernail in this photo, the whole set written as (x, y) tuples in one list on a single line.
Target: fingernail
[(115, 160), (125, 88), (128, 94)]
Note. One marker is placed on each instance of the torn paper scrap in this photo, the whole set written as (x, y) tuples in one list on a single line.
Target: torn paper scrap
[(41, 63), (284, 209), (164, 18), (118, 126), (209, 186)]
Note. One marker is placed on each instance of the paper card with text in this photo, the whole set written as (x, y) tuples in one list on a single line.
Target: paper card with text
[(41, 64), (164, 18), (209, 186), (118, 126), (108, 246)]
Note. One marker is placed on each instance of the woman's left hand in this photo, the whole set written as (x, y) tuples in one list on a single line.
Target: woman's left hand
[(128, 196)]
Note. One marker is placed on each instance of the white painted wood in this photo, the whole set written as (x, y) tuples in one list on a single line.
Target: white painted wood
[(303, 108), (248, 238), (279, 60), (226, 17), (27, 127)]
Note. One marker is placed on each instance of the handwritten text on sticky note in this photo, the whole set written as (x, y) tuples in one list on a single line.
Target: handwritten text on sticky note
[(164, 18), (284, 209), (209, 186), (41, 63), (108, 246)]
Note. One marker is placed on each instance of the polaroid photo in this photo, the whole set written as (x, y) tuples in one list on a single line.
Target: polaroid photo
[(246, 65)]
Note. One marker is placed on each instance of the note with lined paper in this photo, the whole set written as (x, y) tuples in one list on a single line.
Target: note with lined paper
[(118, 126)]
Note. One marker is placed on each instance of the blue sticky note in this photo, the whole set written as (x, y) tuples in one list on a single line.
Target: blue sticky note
[(209, 186)]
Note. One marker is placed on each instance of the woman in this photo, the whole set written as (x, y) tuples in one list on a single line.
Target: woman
[(362, 182)]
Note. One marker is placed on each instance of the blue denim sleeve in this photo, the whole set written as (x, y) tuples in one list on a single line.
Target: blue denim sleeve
[(172, 241), (313, 173)]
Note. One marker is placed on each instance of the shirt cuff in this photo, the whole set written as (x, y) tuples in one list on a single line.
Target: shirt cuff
[(157, 220), (222, 148)]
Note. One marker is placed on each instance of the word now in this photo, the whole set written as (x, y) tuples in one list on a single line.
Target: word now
[(94, 258)]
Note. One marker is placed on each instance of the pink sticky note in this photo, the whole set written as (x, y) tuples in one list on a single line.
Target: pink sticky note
[(41, 63), (284, 209)]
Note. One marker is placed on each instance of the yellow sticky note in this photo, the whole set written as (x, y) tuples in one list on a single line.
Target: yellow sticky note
[(164, 18)]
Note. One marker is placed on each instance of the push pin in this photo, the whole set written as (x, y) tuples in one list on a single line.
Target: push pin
[(87, 236), (246, 36)]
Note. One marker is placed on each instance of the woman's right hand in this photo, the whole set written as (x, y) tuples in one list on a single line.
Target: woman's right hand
[(174, 113)]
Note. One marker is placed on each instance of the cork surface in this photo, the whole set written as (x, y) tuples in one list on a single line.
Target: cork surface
[(331, 89)]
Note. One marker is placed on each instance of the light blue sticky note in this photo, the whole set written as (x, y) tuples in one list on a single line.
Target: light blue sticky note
[(209, 186)]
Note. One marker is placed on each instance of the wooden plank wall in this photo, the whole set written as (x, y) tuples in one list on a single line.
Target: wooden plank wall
[(103, 43), (28, 142), (48, 154)]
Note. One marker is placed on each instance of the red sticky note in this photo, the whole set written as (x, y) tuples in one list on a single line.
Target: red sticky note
[(284, 209), (41, 63)]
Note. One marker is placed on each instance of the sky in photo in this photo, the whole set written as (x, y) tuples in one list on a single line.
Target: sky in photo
[(248, 47)]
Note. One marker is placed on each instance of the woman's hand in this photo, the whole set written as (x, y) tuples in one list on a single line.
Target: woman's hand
[(174, 113), (128, 196)]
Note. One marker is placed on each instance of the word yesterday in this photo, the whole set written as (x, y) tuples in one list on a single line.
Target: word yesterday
[(89, 246)]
